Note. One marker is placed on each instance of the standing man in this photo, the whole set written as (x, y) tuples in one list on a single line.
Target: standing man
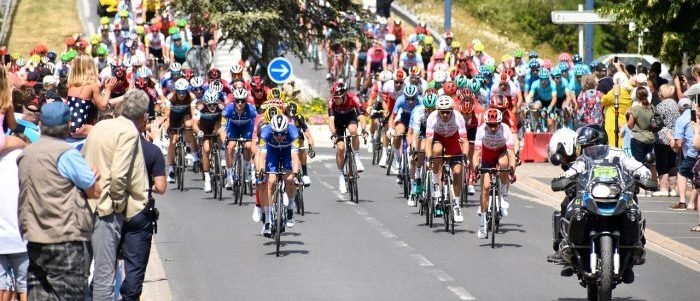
[(683, 137), (54, 214), (138, 231), (113, 147)]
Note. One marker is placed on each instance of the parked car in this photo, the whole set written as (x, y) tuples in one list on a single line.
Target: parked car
[(107, 8), (636, 60)]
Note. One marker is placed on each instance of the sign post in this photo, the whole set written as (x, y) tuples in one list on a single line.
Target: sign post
[(279, 70), (580, 18)]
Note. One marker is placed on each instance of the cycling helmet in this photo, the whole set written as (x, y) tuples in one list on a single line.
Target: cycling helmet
[(399, 75), (456, 44), (577, 59), (279, 123), (140, 30), (591, 135), (182, 85), (95, 39), (439, 55), (429, 100), (51, 55), (136, 61), (120, 71), (101, 51), (236, 69), (216, 86), (175, 67), (414, 71), (445, 102), (410, 91), (240, 94), (556, 72), (461, 80), (104, 20), (143, 72), (411, 48), (563, 141), (499, 102), (397, 22), (275, 93), (450, 88), (564, 57), (188, 74), (214, 74), (270, 112), (544, 74), (474, 85), (173, 30), (293, 108), (504, 77), (385, 76), (518, 53), (546, 64), (338, 89), (123, 13), (579, 70), (440, 76), (478, 47), (493, 116), (197, 82), (534, 64), (563, 66), (390, 37), (182, 22), (533, 54), (428, 41), (256, 83), (211, 97), (141, 83)]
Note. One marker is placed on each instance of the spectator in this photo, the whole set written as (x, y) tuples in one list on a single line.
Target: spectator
[(683, 135), (7, 116), (84, 98), (693, 91), (655, 76), (13, 250), (605, 82), (639, 121), (640, 81), (113, 147), (137, 232), (621, 86), (696, 144), (588, 104), (665, 156), (54, 216)]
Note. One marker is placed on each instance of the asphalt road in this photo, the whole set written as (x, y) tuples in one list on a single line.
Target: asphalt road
[(376, 250)]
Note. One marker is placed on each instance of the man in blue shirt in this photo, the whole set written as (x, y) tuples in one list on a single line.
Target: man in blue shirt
[(683, 136), (240, 122)]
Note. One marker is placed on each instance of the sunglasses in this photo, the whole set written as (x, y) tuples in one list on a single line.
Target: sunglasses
[(557, 77), (411, 99), (181, 92), (240, 101), (492, 127), (445, 113)]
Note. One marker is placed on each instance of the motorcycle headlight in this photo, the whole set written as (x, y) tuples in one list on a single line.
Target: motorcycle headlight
[(605, 191)]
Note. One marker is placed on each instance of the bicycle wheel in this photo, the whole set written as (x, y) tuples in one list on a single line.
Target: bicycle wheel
[(240, 176), (428, 201), (353, 188), (181, 167), (389, 161), (493, 224), (404, 174), (300, 199), (450, 199), (278, 217), (219, 182), (465, 186)]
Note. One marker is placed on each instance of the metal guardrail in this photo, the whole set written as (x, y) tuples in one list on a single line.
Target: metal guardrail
[(5, 18), (407, 16)]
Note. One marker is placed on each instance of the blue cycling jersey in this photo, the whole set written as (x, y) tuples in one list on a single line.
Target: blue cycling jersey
[(403, 110), (542, 93), (278, 152), (240, 125), (575, 86), (529, 80), (561, 88)]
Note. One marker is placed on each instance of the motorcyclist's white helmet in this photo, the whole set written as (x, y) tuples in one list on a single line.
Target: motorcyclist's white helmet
[(566, 138)]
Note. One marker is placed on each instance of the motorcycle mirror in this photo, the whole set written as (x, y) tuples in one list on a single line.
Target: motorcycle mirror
[(555, 159), (650, 158)]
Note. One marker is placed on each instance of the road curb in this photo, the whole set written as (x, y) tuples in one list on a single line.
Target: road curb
[(156, 286), (672, 249)]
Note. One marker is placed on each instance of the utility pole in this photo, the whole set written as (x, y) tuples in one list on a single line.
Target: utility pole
[(448, 15), (588, 56)]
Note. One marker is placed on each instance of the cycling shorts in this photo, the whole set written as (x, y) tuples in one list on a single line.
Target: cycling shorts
[(450, 144), (342, 121), (235, 132), (404, 118), (489, 157), (178, 114), (471, 134), (209, 122), (274, 157), (376, 67)]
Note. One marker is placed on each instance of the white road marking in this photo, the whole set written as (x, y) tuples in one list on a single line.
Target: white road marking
[(403, 244), (422, 261), (388, 234), (440, 275), (462, 293)]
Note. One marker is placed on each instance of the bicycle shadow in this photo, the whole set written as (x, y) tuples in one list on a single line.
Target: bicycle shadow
[(442, 230), (501, 228), (358, 201), (284, 253), (284, 243), (614, 299), (501, 245)]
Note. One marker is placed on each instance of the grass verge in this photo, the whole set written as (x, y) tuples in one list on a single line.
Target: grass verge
[(42, 21)]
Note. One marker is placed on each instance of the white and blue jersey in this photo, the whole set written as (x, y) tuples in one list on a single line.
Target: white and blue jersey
[(278, 151), (240, 125), (418, 120), (402, 110)]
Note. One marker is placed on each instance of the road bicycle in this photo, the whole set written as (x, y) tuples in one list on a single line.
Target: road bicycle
[(279, 214), (493, 216), (404, 169), (299, 197), (240, 174), (445, 202), (217, 174), (179, 157), (377, 148), (350, 167)]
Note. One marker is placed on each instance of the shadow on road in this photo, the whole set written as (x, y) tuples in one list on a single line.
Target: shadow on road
[(505, 228), (501, 245), (614, 299), (284, 253)]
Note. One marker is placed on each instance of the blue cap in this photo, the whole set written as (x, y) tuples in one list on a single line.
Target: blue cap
[(55, 113)]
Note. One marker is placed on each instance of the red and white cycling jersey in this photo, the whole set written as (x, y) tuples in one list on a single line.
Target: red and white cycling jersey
[(493, 141), (435, 126)]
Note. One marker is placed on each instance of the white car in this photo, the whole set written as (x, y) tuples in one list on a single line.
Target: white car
[(634, 59)]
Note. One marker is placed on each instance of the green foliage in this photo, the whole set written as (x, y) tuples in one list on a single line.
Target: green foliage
[(317, 106), (674, 27)]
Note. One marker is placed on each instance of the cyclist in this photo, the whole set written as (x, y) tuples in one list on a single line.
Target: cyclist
[(410, 59), (261, 121), (399, 126), (178, 49), (415, 78), (426, 51), (360, 65), (169, 79), (279, 145), (398, 32), (335, 52), (392, 52), (207, 121), (237, 75), (240, 117), (493, 148), (445, 131), (468, 104), (344, 111), (258, 92), (377, 97), (561, 85), (178, 108), (543, 95), (304, 134), (575, 84), (518, 58), (438, 58), (419, 116), (532, 75), (155, 41), (446, 44), (377, 59), (578, 60)]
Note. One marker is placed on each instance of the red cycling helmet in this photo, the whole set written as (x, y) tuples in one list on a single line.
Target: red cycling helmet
[(256, 83), (504, 77), (499, 102), (411, 48), (188, 73), (338, 89), (141, 83), (493, 116), (214, 74), (120, 72), (466, 95), (450, 88)]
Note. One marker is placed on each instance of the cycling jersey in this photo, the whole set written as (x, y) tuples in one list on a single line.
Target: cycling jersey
[(511, 91), (493, 144), (403, 109), (421, 84), (278, 152), (529, 80), (406, 62), (209, 119), (361, 61), (575, 87), (240, 124), (418, 120), (345, 113), (180, 52), (447, 133), (390, 88), (391, 50), (543, 94)]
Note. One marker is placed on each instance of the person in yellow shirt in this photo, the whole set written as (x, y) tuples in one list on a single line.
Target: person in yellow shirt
[(149, 9), (625, 103)]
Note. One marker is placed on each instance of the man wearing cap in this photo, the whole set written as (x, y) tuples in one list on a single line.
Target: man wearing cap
[(682, 139), (605, 82), (54, 214)]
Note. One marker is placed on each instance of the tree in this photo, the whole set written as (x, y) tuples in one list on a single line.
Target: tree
[(673, 25), (291, 23)]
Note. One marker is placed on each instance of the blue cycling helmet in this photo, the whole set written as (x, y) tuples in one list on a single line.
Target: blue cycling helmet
[(51, 55), (577, 58), (533, 54), (563, 66), (410, 91), (555, 72), (480, 78), (579, 70), (534, 64), (544, 74)]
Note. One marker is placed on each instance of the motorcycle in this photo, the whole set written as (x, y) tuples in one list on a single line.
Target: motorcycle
[(602, 229)]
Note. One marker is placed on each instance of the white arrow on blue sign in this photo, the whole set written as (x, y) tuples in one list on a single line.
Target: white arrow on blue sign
[(279, 70)]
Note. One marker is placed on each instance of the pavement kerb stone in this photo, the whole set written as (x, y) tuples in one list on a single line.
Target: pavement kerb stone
[(155, 284)]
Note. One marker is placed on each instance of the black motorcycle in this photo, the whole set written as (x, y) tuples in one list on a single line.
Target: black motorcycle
[(603, 227)]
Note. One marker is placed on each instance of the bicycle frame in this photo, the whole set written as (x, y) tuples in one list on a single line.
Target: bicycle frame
[(493, 216), (447, 186)]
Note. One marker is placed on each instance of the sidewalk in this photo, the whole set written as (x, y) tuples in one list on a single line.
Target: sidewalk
[(667, 231)]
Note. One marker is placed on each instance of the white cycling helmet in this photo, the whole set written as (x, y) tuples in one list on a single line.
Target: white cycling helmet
[(211, 97), (440, 76), (410, 91), (390, 37), (240, 93), (385, 76), (143, 71), (235, 69), (182, 85), (216, 86), (444, 102), (279, 123), (197, 82), (563, 138), (175, 67), (20, 62)]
